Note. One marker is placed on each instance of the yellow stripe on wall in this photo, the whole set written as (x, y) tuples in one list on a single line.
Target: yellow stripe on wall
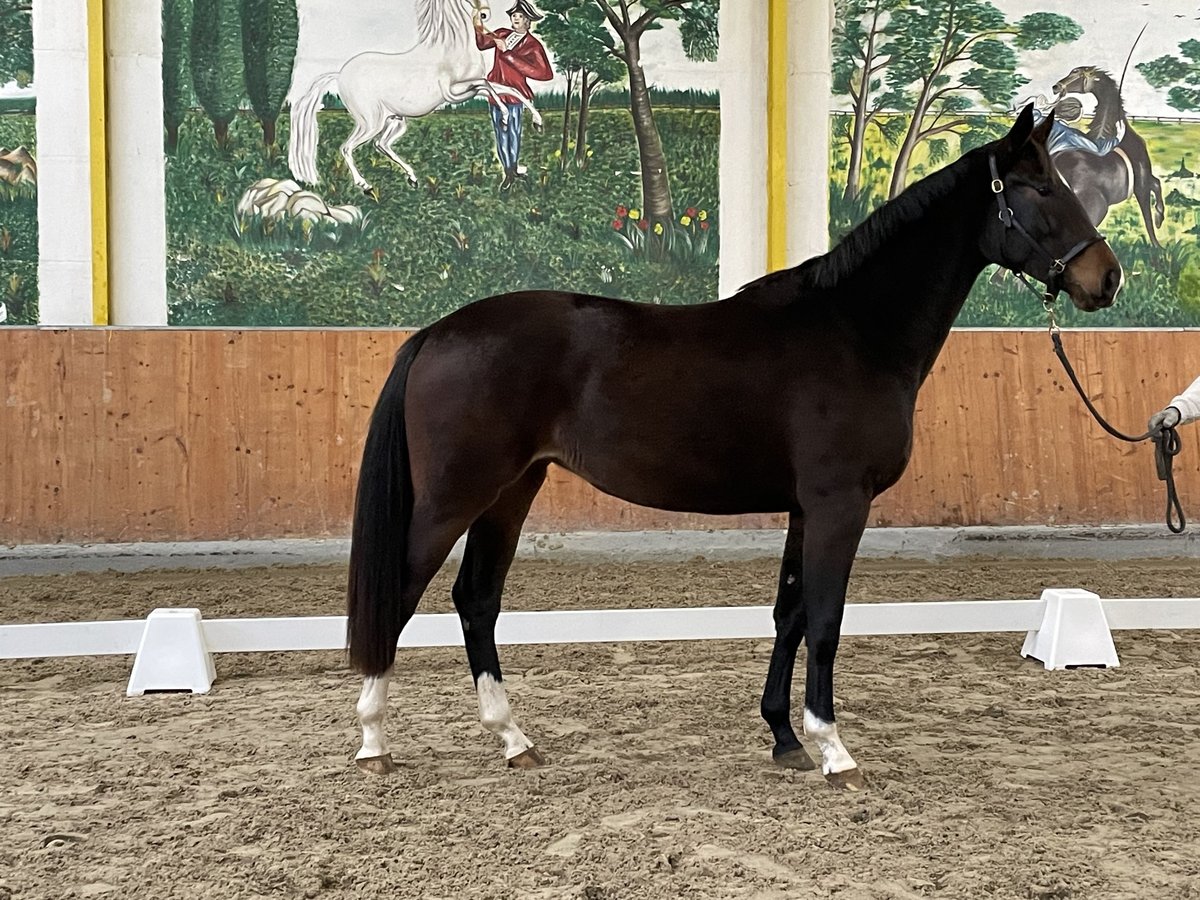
[(98, 139), (777, 62)]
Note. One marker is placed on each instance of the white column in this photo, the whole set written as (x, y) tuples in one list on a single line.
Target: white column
[(742, 59), (60, 69), (137, 237), (810, 32)]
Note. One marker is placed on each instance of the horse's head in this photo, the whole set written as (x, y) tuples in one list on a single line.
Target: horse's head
[(1080, 80), (1041, 229)]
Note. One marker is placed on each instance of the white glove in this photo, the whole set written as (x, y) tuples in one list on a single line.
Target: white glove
[(1165, 418)]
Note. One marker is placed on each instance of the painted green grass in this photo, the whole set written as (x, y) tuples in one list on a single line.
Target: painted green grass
[(18, 230), (1162, 286), (455, 238)]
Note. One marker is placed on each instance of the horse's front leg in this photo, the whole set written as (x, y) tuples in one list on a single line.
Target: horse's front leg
[(789, 631), (461, 91), (535, 116), (832, 532)]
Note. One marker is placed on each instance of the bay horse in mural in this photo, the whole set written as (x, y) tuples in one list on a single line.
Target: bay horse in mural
[(1104, 181), (795, 395), (382, 91)]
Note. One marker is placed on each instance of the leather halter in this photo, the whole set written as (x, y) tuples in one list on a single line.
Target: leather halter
[(1058, 265)]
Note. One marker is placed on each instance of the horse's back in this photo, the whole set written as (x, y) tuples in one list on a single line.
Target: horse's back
[(704, 408)]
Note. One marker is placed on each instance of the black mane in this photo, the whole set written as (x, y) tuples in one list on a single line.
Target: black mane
[(874, 233)]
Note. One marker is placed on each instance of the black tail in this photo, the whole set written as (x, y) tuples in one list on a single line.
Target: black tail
[(379, 541)]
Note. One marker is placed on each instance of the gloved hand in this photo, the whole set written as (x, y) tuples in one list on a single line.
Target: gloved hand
[(1164, 418)]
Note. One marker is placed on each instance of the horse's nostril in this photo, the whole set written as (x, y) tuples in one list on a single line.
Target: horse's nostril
[(1112, 282)]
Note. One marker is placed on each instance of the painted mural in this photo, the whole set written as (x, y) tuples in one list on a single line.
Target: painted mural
[(383, 162), (18, 168), (920, 81)]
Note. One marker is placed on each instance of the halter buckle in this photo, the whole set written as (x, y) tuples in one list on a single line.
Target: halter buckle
[(1006, 216), (1058, 267), (997, 186)]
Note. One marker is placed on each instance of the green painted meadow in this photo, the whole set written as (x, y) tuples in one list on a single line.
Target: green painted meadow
[(1162, 286), (18, 229), (419, 253)]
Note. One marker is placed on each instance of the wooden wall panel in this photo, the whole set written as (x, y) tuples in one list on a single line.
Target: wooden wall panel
[(119, 435)]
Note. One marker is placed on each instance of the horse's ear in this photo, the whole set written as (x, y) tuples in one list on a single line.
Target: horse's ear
[(1042, 132), (1021, 131)]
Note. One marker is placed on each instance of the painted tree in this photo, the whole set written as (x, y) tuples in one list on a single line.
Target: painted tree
[(1179, 73), (217, 75), (176, 27), (16, 41), (583, 49), (270, 30), (629, 20), (862, 38), (948, 57)]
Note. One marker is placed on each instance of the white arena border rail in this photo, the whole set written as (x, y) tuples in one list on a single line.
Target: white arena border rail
[(1065, 628)]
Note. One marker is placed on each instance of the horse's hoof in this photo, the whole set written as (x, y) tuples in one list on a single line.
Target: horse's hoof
[(530, 759), (376, 765), (796, 758), (850, 780), (413, 183)]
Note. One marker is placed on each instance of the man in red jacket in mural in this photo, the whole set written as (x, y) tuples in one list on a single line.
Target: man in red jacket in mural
[(519, 57)]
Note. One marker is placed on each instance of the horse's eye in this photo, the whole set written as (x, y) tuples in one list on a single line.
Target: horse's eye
[(1045, 190)]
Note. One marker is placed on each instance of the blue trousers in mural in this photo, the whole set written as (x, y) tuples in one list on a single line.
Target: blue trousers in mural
[(508, 140)]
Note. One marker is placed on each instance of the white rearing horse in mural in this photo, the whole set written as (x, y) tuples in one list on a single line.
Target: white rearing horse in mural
[(382, 91)]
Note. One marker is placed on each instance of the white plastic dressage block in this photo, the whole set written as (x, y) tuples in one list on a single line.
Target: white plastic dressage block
[(172, 655), (1074, 632)]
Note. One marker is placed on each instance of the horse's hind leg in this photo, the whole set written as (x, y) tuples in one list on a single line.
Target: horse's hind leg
[(394, 130), (428, 547), (831, 534), (789, 631), (491, 544)]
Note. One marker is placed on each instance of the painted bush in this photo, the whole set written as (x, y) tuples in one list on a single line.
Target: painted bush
[(18, 168)]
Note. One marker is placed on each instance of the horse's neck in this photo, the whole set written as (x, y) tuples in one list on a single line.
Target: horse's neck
[(908, 294), (445, 23), (1109, 110)]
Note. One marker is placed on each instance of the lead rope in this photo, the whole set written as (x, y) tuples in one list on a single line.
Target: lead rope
[(1167, 443)]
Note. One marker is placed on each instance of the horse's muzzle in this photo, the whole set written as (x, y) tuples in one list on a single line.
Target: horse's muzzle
[(1094, 278)]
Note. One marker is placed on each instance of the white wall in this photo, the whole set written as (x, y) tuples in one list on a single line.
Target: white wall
[(137, 242), (60, 65), (809, 84)]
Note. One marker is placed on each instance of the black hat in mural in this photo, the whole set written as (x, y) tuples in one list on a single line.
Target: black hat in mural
[(525, 8)]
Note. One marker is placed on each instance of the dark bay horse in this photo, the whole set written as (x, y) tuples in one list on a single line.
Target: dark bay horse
[(794, 395), (1104, 181)]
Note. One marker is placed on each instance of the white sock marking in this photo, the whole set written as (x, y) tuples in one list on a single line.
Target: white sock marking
[(372, 715), (497, 717), (834, 757)]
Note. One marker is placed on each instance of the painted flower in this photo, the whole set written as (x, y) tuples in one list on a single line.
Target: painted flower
[(685, 221), (635, 214), (643, 224), (702, 215), (704, 226), (617, 224), (658, 229), (622, 211), (691, 212)]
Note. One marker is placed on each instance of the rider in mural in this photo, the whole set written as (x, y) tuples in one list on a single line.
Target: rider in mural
[(1063, 133), (519, 56)]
